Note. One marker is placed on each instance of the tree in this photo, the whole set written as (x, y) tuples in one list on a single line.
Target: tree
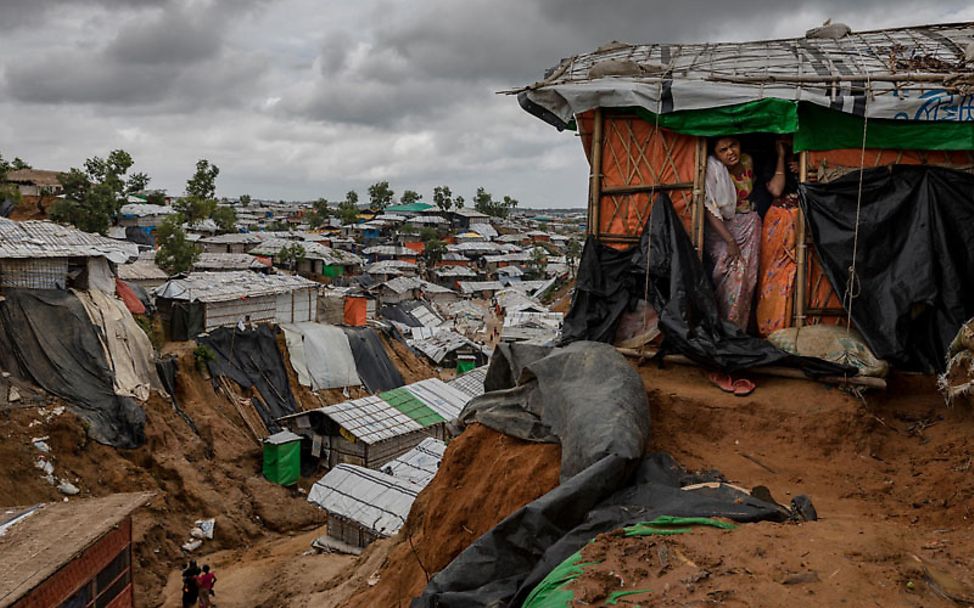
[(137, 182), (244, 200), (347, 212), (538, 263), (433, 252), (484, 202), (351, 197), (410, 196), (290, 255), (319, 214), (573, 251), (380, 195), (203, 183), (443, 197), (225, 218), (93, 197), (458, 202), (19, 164), (156, 197), (195, 209), (7, 191), (427, 234), (175, 254)]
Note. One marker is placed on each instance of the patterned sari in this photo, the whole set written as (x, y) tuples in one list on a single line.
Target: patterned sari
[(735, 280)]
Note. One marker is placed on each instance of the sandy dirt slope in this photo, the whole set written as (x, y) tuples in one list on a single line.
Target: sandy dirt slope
[(891, 478)]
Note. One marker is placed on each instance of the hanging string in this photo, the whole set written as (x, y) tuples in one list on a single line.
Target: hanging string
[(649, 239), (853, 286)]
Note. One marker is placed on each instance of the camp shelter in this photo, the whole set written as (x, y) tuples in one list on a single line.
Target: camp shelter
[(316, 259), (373, 430), (472, 382), (282, 458), (202, 301), (444, 347), (896, 100), (225, 262), (419, 464), (44, 255), (363, 505), (76, 553), (355, 310)]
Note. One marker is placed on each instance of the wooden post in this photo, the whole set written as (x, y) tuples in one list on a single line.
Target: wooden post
[(595, 179), (699, 192), (802, 252)]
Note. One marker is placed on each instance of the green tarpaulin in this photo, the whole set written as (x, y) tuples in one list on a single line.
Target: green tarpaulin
[(408, 404), (552, 591), (815, 127)]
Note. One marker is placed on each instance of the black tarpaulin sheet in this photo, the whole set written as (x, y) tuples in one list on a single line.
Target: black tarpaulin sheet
[(547, 395), (50, 339), (399, 314), (682, 293), (251, 358), (915, 262), (502, 567), (371, 360), (167, 368)]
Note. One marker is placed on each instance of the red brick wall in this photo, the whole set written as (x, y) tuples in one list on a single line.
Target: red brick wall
[(74, 574)]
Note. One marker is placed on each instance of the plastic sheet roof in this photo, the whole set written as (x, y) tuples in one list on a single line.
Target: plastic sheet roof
[(419, 464), (485, 230), (374, 500), (233, 285), (472, 382), (371, 419), (911, 72), (145, 210), (404, 284), (228, 261), (445, 400), (40, 239), (437, 343)]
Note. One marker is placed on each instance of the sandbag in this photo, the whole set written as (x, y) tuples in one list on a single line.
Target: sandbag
[(831, 343)]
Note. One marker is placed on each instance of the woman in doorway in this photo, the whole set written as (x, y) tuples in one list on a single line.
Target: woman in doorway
[(733, 241)]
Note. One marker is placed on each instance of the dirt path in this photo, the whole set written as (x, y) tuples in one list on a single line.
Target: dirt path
[(271, 574)]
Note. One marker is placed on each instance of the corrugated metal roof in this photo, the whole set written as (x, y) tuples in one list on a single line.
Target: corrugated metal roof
[(485, 230), (374, 500), (312, 251), (475, 286), (228, 261), (145, 210), (244, 238), (404, 284), (41, 239), (224, 286), (438, 345), (419, 464), (471, 383)]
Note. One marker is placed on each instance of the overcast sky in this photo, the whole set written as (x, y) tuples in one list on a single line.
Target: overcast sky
[(298, 99)]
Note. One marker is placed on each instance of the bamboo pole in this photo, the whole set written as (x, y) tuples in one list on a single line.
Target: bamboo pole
[(799, 303), (595, 181), (699, 192), (770, 370), (905, 77)]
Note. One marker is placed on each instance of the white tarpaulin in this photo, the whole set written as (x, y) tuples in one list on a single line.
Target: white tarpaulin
[(320, 355), (419, 464), (126, 346)]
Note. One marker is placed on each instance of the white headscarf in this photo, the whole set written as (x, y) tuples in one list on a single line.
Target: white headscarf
[(720, 196)]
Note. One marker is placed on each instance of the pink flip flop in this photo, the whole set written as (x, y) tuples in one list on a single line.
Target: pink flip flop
[(743, 387), (722, 381)]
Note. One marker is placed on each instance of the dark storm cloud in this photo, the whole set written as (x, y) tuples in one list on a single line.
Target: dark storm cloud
[(167, 58), (443, 52)]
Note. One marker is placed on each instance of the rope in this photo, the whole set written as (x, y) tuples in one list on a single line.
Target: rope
[(853, 286), (652, 196)]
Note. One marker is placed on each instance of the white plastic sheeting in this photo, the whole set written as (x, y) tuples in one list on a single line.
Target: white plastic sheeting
[(419, 464), (374, 500), (371, 419), (472, 382), (320, 355), (127, 348), (442, 398)]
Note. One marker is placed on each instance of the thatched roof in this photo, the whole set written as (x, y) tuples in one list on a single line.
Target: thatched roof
[(917, 73)]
